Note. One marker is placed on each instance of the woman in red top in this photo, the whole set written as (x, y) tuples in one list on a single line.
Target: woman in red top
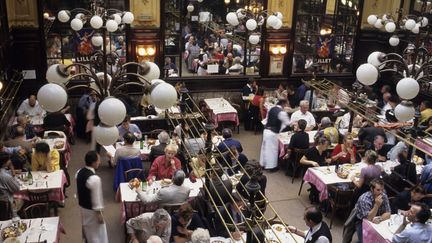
[(346, 152), (257, 103), (164, 166)]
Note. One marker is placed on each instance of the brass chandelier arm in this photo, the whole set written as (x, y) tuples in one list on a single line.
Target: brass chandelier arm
[(86, 87)]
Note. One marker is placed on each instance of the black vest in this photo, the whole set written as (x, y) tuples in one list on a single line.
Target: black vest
[(273, 122), (84, 194), (323, 231)]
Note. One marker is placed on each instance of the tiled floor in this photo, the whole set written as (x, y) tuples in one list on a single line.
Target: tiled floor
[(280, 191)]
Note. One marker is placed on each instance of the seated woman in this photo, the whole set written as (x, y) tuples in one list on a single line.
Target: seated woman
[(317, 156), (45, 159), (281, 93), (368, 173), (164, 166), (183, 223), (254, 170), (126, 151), (345, 152), (256, 107), (407, 197)]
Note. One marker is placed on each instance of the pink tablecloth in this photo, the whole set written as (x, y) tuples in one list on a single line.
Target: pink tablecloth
[(370, 234), (56, 194), (232, 117), (423, 145), (311, 177)]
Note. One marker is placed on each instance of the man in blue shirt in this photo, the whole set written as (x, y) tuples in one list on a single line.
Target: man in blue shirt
[(126, 126), (418, 231), (229, 141)]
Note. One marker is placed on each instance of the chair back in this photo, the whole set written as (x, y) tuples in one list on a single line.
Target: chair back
[(38, 196), (37, 210), (262, 206), (171, 207), (6, 212), (342, 198), (134, 209), (134, 173), (125, 165), (298, 154)]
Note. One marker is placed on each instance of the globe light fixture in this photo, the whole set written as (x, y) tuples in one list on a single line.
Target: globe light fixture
[(106, 135), (404, 111), (407, 88), (367, 74)]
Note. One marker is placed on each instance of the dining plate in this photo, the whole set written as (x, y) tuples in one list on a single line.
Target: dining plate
[(219, 240), (279, 228), (10, 232)]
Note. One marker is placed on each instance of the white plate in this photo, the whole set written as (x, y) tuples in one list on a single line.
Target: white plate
[(279, 228)]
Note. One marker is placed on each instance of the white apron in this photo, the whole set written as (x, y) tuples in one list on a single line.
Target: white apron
[(93, 231), (269, 150)]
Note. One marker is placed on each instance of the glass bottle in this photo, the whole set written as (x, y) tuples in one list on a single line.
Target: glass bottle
[(30, 178)]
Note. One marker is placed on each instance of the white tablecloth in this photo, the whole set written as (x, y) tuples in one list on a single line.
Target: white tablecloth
[(220, 106), (382, 232), (38, 229), (145, 151)]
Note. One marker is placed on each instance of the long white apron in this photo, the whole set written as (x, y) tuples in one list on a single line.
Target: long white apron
[(93, 231), (269, 150)]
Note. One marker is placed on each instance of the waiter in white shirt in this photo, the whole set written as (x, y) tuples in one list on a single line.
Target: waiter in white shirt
[(304, 114), (31, 107), (90, 199), (277, 120)]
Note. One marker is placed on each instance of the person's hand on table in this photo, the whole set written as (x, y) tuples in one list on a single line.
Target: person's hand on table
[(150, 181), (237, 235), (315, 164), (292, 229), (376, 220), (328, 161)]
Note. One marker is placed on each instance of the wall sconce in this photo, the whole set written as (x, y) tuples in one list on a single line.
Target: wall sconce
[(145, 52), (278, 49)]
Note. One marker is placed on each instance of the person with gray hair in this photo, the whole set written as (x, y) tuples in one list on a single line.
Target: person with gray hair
[(304, 114), (146, 225), (172, 194), (200, 235), (154, 239), (158, 150)]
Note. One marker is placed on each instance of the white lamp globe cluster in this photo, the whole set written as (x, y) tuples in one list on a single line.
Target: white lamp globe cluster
[(390, 25), (235, 18), (96, 21)]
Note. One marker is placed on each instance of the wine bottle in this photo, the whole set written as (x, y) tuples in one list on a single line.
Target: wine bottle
[(30, 178)]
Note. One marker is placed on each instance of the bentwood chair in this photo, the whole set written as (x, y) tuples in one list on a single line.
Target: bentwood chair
[(6, 212), (134, 173), (339, 199), (37, 210), (42, 196), (296, 165)]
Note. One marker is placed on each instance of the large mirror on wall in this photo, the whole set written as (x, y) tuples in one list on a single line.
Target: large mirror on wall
[(200, 42), (325, 32), (66, 46)]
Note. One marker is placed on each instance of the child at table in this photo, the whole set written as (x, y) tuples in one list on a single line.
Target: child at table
[(43, 158)]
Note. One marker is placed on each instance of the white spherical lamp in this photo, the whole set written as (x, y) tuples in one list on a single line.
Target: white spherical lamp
[(55, 75), (76, 24), (241, 13), (190, 7), (106, 135), (128, 18), (372, 19), (254, 39), (390, 27), (379, 24), (367, 74), (251, 24), (111, 25), (117, 18), (153, 73), (97, 40), (374, 58), (410, 24), (52, 97), (416, 29), (407, 88), (424, 21), (394, 40), (232, 19), (96, 22), (163, 96), (278, 25), (111, 111), (200, 1), (279, 15), (404, 111), (272, 20), (63, 16)]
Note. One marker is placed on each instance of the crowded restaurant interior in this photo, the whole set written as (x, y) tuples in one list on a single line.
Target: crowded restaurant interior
[(215, 121)]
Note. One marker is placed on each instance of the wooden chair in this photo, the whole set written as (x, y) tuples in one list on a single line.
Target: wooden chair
[(171, 207), (340, 201), (37, 210), (134, 173), (6, 210), (296, 165), (134, 209), (42, 196)]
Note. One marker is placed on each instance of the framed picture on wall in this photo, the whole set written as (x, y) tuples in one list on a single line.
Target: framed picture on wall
[(276, 65)]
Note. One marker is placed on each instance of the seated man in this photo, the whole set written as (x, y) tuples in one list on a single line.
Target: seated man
[(380, 147), (183, 224), (126, 151), (164, 166), (326, 129), (173, 194), (419, 231), (318, 229), (8, 184), (56, 121), (31, 107), (145, 225), (229, 141), (404, 199), (127, 126), (317, 156), (29, 131), (45, 159), (158, 150), (366, 135), (304, 114), (220, 189), (233, 159), (234, 216), (372, 205)]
